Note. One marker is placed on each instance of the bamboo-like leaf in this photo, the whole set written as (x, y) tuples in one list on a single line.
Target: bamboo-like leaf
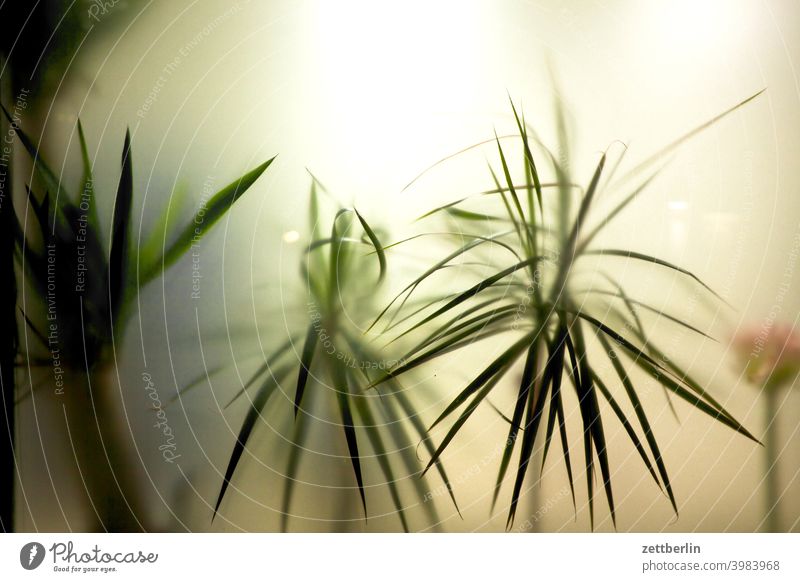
[(659, 312), (152, 247), (627, 426), (700, 128), (301, 432), (476, 289), (195, 382), (562, 423), (49, 179), (717, 413), (412, 416), (343, 398), (593, 423), (464, 416), (423, 434), (470, 216), (641, 334), (454, 155), (207, 216), (87, 182), (523, 221), (338, 263), (700, 398), (309, 348), (436, 267), (374, 437), (273, 359), (375, 243), (263, 395), (120, 230), (552, 415), (512, 217), (586, 203), (477, 323), (502, 361), (528, 377), (529, 161), (655, 261), (608, 217), (536, 400), (42, 214)]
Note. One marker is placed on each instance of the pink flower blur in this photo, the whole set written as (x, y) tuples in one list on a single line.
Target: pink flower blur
[(770, 354)]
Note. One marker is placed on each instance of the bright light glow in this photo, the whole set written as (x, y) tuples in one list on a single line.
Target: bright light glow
[(388, 71), (695, 29), (677, 205), (291, 236)]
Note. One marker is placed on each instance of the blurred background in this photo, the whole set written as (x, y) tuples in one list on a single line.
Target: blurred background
[(366, 95)]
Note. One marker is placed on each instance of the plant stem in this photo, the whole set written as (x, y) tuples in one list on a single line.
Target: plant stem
[(103, 455), (772, 517)]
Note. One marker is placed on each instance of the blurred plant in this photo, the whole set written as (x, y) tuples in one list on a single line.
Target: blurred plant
[(334, 368), (530, 298), (39, 43), (86, 289), (771, 360), (8, 320)]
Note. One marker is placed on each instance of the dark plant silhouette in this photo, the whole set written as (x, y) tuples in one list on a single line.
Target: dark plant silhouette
[(83, 288)]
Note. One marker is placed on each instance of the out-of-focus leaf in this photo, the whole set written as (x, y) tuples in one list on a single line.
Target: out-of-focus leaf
[(120, 230), (207, 216), (257, 405), (309, 348)]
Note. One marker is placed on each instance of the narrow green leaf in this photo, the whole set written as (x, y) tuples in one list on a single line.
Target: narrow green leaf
[(715, 412), (633, 436), (154, 244), (701, 396), (413, 417), (641, 333), (408, 289), (49, 179), (528, 377), (523, 221), (268, 388), (301, 432), (476, 289), (673, 145), (530, 163), (264, 368), (87, 182), (502, 361), (536, 400), (375, 243), (120, 234), (630, 303), (593, 424), (203, 221), (471, 407), (655, 261), (586, 203), (609, 216), (343, 399), (309, 348), (374, 437), (468, 215)]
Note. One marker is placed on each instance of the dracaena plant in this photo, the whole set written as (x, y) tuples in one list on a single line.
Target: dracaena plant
[(327, 362), (560, 333), (78, 292)]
